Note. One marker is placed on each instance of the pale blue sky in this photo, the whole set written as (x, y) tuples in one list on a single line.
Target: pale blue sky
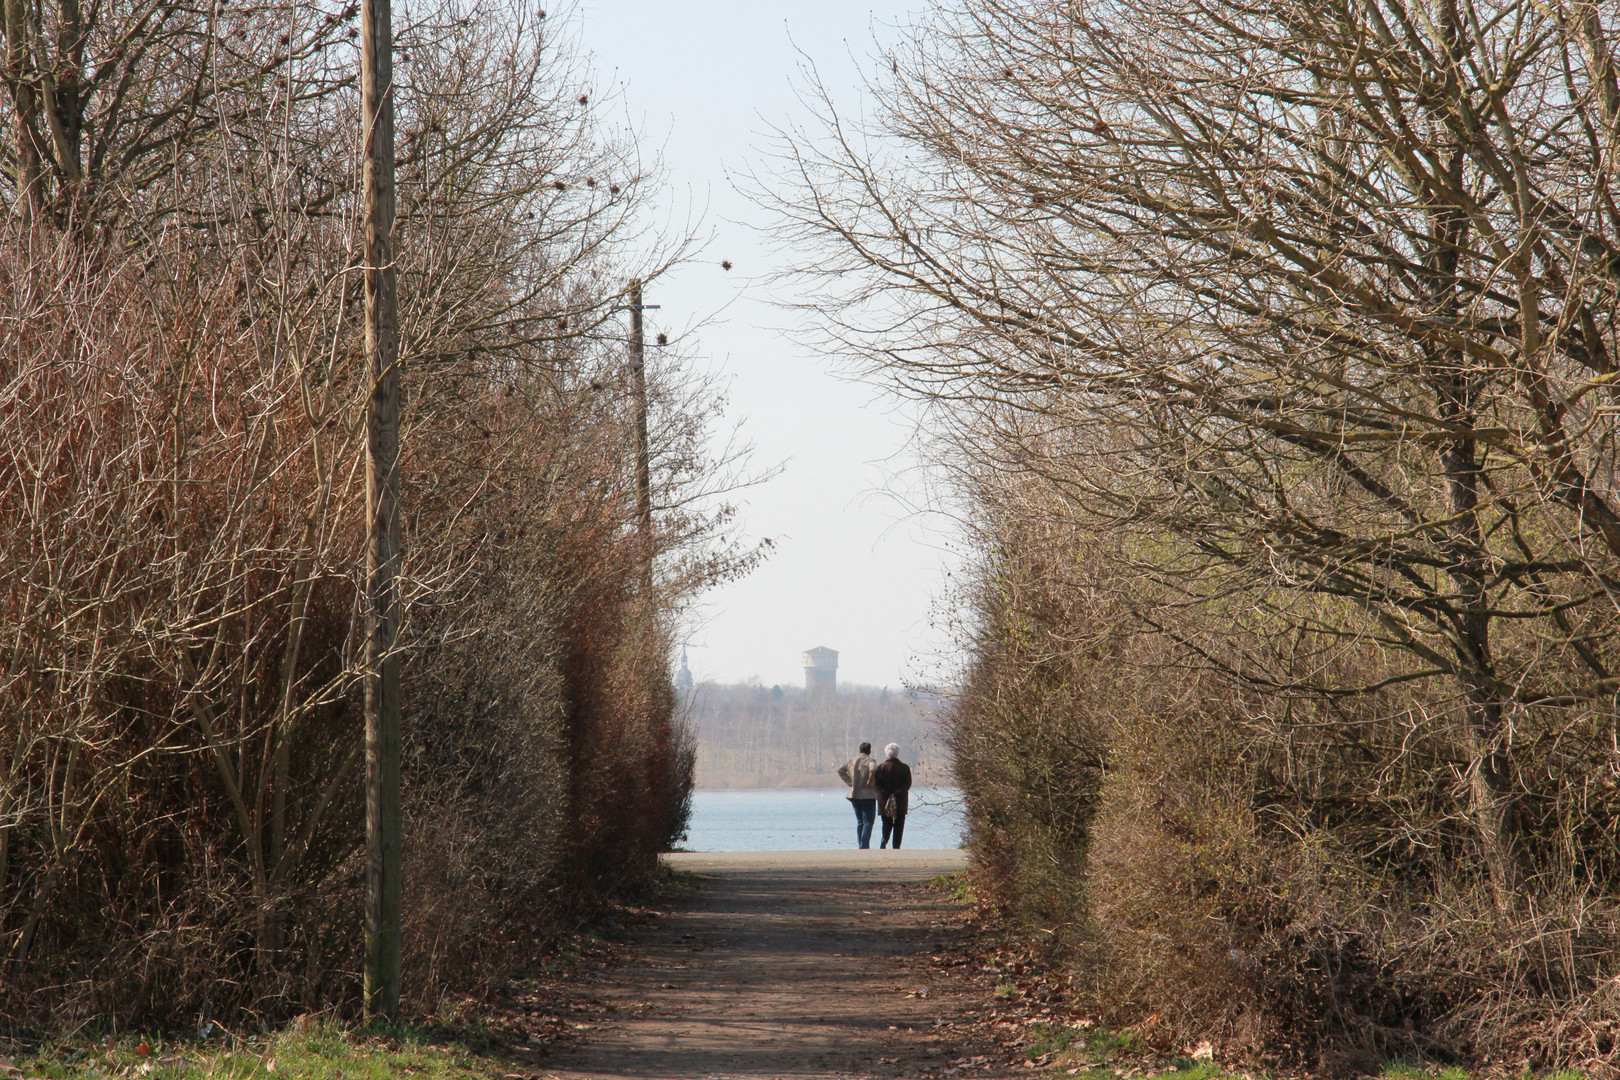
[(704, 81)]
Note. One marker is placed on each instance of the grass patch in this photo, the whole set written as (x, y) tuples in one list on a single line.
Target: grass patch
[(1188, 1069), (1405, 1070), (1174, 1069), (954, 886), (309, 1051), (1077, 1042), (677, 884), (1101, 1054), (1094, 1053)]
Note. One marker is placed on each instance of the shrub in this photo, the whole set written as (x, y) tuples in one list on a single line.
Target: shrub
[(181, 512)]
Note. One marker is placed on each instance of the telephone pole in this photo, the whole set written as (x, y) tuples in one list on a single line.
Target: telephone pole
[(638, 387), (384, 881)]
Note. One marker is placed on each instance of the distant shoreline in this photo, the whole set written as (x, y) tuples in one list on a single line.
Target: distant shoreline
[(834, 786), (757, 784)]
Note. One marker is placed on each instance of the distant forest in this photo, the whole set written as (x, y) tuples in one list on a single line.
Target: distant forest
[(750, 735)]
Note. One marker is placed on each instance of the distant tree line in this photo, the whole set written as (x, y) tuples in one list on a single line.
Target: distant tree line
[(1270, 352), (182, 503), (749, 735)]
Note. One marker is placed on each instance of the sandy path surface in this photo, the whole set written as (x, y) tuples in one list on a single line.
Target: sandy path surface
[(789, 964)]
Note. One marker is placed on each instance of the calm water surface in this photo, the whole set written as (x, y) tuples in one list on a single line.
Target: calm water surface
[(804, 819)]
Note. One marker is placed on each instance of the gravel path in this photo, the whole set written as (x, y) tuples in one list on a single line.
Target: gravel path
[(791, 964)]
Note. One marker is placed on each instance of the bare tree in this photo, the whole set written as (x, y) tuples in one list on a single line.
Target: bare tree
[(107, 99), (1324, 291), (182, 508)]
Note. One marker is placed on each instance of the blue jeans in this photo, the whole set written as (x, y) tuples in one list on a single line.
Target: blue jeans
[(865, 815)]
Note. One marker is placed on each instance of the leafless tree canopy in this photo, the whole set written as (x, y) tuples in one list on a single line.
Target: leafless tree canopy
[(1281, 335), (182, 499)]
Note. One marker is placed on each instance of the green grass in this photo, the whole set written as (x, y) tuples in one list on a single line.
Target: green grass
[(1093, 1054), (319, 1051), (1077, 1043), (677, 884), (1187, 1069), (1096, 1054), (955, 886), (1405, 1070)]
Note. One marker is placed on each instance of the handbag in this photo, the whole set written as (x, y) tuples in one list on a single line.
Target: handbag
[(891, 808)]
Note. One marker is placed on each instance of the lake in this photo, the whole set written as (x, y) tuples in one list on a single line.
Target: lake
[(811, 819)]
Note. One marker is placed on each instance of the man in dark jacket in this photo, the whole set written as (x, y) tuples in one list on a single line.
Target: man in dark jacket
[(893, 780)]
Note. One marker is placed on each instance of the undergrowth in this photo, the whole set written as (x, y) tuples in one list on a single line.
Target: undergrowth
[(1100, 1053), (956, 887), (322, 1050)]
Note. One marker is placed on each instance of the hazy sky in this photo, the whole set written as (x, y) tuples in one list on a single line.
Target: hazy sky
[(704, 81)]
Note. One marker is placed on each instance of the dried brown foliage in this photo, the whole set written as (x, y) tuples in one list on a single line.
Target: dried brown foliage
[(180, 516), (1289, 876), (1272, 349)]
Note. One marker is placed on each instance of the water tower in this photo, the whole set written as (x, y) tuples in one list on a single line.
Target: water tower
[(821, 670)]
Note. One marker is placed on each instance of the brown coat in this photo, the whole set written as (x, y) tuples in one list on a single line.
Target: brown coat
[(893, 777)]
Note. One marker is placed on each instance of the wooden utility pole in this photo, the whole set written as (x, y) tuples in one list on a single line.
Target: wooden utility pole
[(384, 882), (638, 386)]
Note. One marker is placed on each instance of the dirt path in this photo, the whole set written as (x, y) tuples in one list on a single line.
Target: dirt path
[(790, 964)]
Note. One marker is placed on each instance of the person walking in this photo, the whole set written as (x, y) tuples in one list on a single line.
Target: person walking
[(863, 795), (893, 782)]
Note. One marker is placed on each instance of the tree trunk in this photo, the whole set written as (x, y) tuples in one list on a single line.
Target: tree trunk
[(25, 103), (1456, 387)]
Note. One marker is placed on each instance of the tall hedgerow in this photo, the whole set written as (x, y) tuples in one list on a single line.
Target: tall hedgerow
[(1271, 348), (181, 497)]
